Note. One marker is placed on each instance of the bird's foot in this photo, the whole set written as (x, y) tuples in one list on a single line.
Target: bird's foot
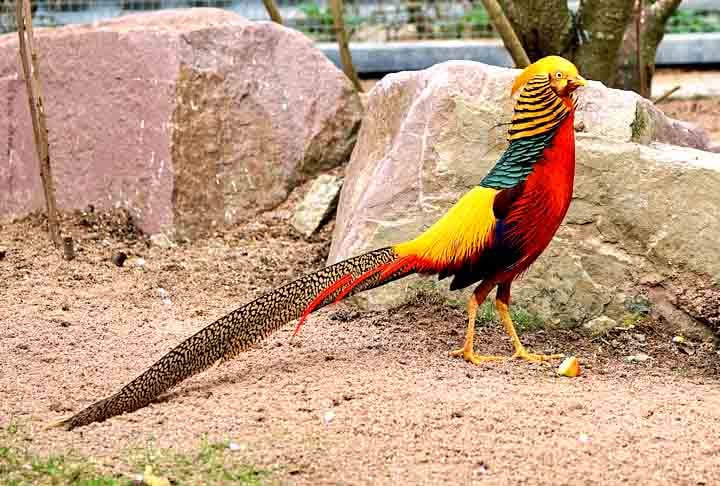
[(469, 356), (536, 358)]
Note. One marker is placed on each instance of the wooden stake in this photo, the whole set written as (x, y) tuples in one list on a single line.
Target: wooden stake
[(273, 11), (341, 35), (510, 39), (29, 58)]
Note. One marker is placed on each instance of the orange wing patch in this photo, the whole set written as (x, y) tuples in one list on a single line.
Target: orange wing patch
[(461, 234)]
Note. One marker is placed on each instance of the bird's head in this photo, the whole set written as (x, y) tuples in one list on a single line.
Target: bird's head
[(562, 74)]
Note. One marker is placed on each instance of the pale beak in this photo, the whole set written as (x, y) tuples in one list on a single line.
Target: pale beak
[(578, 81)]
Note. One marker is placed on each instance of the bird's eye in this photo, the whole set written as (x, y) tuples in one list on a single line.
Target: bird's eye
[(558, 75)]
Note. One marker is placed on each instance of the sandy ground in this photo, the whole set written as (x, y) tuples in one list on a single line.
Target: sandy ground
[(366, 397)]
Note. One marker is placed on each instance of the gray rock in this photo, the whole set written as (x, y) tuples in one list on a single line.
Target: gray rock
[(599, 325), (318, 204), (641, 206), (190, 118), (161, 240)]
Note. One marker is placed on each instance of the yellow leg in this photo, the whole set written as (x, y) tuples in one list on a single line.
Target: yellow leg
[(467, 351), (502, 304)]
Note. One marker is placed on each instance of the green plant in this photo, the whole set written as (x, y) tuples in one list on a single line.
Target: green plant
[(685, 21), (478, 21), (212, 463), (18, 466), (523, 319), (319, 20)]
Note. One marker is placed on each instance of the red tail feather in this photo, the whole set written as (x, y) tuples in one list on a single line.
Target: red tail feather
[(387, 269), (358, 281), (397, 266), (321, 296)]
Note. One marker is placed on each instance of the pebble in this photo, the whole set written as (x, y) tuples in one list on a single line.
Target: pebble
[(328, 417), (137, 262), (161, 240), (637, 358), (119, 258)]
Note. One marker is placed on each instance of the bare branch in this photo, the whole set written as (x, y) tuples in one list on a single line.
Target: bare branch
[(544, 27), (273, 11), (507, 33), (666, 95), (345, 58), (30, 63)]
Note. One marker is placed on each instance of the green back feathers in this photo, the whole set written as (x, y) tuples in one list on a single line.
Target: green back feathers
[(517, 162)]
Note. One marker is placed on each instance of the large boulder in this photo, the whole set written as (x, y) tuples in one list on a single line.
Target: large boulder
[(189, 118), (643, 223)]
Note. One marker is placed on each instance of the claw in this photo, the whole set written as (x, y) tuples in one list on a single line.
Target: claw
[(473, 358), (536, 358)]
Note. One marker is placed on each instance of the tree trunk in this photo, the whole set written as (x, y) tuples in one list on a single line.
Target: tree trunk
[(600, 28), (600, 39), (652, 29), (544, 27)]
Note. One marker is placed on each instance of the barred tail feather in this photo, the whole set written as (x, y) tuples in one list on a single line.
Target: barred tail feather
[(244, 327)]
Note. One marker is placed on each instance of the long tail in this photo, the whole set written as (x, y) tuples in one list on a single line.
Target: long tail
[(247, 325)]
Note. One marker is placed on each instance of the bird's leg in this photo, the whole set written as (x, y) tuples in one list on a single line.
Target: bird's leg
[(467, 351), (502, 303)]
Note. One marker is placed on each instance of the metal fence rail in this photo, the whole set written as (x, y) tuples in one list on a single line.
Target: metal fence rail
[(366, 20)]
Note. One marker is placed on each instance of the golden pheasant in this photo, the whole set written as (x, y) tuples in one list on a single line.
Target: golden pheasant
[(491, 235)]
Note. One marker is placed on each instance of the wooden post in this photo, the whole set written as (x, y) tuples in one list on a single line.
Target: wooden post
[(507, 33), (341, 35), (273, 11), (29, 58)]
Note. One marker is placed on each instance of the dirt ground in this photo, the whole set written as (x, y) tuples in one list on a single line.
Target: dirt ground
[(360, 397)]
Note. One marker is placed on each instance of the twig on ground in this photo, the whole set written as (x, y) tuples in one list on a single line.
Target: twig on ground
[(667, 94)]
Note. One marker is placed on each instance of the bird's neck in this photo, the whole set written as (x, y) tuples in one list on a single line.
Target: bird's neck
[(538, 109)]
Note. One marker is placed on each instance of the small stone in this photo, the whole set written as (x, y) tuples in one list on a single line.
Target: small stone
[(637, 358), (599, 326), (640, 337), (136, 262), (3, 253), (164, 296), (328, 417), (651, 279), (119, 258), (161, 240), (234, 446), (318, 204)]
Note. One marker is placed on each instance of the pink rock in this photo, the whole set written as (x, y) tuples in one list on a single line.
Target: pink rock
[(189, 118)]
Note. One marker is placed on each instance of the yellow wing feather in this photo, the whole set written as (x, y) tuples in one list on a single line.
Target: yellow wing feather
[(462, 232)]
